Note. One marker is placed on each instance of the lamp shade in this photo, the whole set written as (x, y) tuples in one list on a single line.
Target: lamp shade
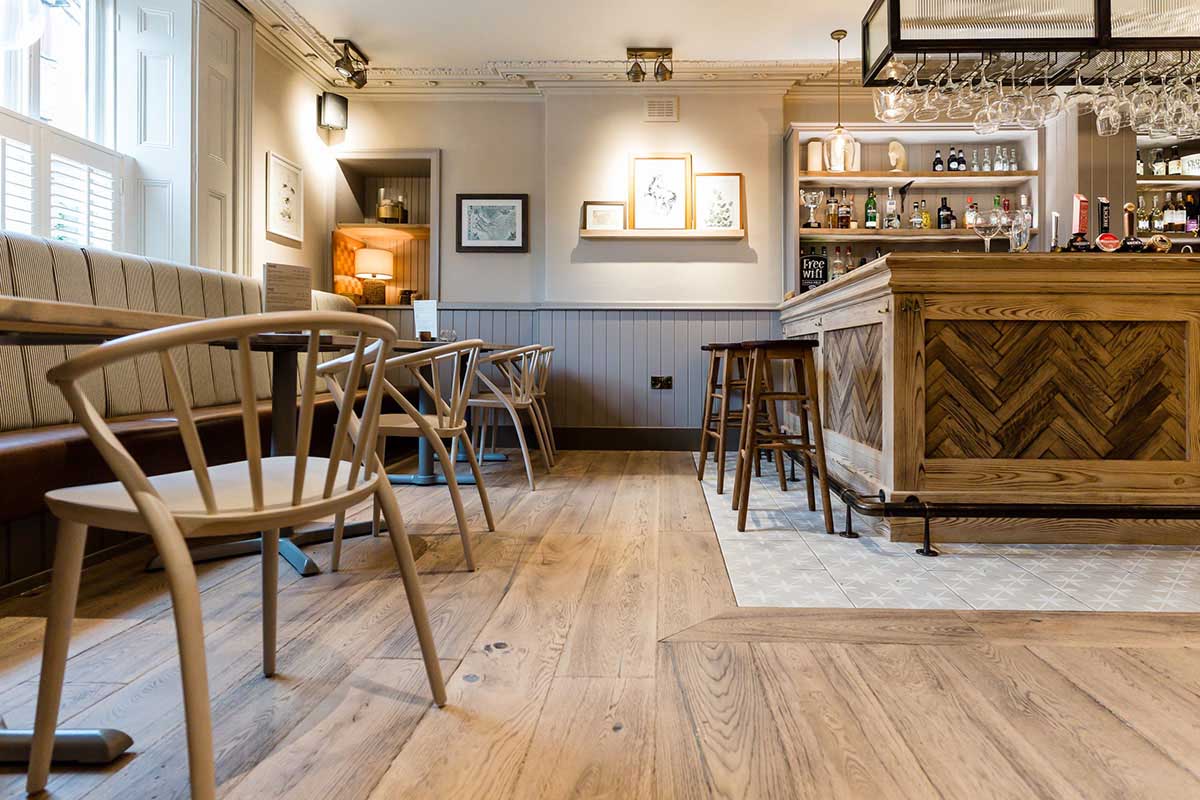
[(371, 263)]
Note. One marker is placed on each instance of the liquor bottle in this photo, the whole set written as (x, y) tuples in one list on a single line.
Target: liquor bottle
[(1026, 211), (1106, 241), (926, 219), (951, 162), (1142, 216), (987, 160), (849, 260), (1079, 221), (1055, 247), (957, 160), (1012, 160), (1000, 164), (831, 207), (1005, 206), (838, 268), (1156, 217), (938, 164), (1141, 167), (1160, 163), (853, 216), (972, 212), (871, 211), (814, 269), (953, 219), (1131, 243), (1175, 164), (915, 220), (1169, 215), (975, 159), (878, 252), (944, 215), (891, 218), (844, 212), (1192, 209)]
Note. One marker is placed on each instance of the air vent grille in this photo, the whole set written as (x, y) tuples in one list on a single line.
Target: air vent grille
[(661, 109)]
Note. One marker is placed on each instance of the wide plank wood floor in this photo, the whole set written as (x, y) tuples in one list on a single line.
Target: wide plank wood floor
[(598, 653)]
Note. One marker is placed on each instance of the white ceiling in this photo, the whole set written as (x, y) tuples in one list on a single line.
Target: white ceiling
[(470, 34)]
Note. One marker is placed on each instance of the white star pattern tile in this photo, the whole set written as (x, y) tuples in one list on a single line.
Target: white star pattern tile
[(786, 559)]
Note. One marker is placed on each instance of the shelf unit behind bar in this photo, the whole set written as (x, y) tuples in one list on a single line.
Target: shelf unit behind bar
[(920, 180), (833, 235)]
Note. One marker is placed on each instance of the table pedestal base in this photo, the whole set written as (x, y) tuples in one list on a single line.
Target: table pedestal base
[(75, 746)]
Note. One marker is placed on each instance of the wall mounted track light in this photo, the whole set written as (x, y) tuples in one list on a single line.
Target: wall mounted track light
[(352, 63), (636, 59)]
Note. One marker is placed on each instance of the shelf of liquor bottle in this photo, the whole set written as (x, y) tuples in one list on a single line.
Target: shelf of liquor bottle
[(919, 180), (834, 235), (1169, 183)]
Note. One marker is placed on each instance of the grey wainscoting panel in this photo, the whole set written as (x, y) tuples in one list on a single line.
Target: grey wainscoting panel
[(604, 358)]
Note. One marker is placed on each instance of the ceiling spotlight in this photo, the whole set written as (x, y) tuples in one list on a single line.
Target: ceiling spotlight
[(637, 57), (351, 64)]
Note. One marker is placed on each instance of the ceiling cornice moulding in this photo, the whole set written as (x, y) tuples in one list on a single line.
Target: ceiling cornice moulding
[(313, 52)]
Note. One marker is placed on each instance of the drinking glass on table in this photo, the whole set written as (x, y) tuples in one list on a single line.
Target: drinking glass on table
[(447, 335), (987, 225)]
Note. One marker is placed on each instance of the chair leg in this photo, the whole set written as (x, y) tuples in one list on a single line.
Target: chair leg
[(483, 498), (544, 411), (189, 630), (723, 424), (706, 416), (412, 588), (749, 438), (64, 591), (814, 404), (495, 426), (540, 429), (380, 450), (806, 450), (460, 513), (523, 444), (270, 597)]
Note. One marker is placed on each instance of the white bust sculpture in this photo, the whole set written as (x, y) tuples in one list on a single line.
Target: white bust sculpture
[(897, 156)]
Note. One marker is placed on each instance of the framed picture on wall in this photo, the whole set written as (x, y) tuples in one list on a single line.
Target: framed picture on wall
[(719, 205), (660, 191), (604, 215), (492, 223), (285, 198)]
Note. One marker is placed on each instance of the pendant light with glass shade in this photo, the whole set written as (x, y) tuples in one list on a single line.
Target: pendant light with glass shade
[(22, 23), (839, 144)]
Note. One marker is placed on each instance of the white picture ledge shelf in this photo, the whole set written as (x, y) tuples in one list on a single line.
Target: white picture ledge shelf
[(676, 235)]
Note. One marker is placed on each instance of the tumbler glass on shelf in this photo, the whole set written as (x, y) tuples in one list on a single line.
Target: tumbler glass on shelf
[(987, 225), (1016, 228)]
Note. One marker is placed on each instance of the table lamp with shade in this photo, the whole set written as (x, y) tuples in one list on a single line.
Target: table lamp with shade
[(375, 268)]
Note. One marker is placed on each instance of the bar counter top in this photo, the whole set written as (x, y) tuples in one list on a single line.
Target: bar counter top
[(1013, 378)]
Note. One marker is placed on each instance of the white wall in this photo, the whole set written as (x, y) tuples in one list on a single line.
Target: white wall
[(589, 138), (285, 121), (487, 147)]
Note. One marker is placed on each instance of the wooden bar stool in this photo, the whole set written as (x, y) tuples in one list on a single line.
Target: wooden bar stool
[(727, 364), (759, 437)]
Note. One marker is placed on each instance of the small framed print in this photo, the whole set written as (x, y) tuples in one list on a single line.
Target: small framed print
[(604, 215), (719, 201), (660, 191), (285, 198), (492, 223)]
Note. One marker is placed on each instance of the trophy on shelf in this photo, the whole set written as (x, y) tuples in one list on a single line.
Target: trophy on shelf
[(812, 200)]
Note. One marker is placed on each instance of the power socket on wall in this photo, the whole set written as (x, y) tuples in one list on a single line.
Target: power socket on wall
[(662, 382)]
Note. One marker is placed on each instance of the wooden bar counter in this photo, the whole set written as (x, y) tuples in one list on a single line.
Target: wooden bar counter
[(1014, 378)]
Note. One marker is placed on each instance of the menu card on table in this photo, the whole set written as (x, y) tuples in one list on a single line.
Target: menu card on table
[(286, 287), (425, 318)]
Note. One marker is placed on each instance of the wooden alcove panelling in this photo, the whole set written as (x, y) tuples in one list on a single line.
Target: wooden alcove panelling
[(1055, 390), (852, 405)]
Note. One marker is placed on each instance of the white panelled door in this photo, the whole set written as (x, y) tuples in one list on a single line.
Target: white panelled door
[(154, 123), (225, 49)]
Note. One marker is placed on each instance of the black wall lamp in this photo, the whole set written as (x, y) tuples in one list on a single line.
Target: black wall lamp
[(637, 57), (333, 111), (352, 63)]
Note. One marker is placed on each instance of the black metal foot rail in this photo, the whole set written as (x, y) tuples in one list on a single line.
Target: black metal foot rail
[(914, 508)]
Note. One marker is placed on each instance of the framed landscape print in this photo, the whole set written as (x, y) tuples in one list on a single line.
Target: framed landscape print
[(604, 215), (660, 191), (285, 198), (492, 223), (719, 201)]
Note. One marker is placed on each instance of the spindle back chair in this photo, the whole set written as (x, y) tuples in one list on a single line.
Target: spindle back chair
[(517, 373)]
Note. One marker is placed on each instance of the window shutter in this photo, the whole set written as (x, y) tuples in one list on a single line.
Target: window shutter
[(81, 202), (16, 185)]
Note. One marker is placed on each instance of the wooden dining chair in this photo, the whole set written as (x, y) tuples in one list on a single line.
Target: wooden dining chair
[(257, 494), (445, 374), (517, 373), (545, 363)]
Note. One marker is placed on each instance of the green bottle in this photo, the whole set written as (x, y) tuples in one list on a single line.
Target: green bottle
[(872, 210)]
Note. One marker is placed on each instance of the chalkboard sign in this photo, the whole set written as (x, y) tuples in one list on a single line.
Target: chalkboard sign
[(814, 270)]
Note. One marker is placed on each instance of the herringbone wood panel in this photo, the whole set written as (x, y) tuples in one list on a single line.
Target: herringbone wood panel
[(1075, 390), (853, 383)]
